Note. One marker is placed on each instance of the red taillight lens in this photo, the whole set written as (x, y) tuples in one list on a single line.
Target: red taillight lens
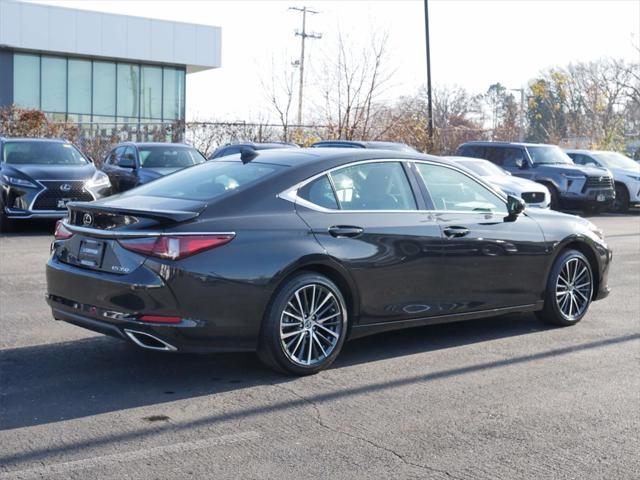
[(175, 247), (159, 319), (61, 233)]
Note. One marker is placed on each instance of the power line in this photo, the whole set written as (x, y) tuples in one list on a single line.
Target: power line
[(300, 63)]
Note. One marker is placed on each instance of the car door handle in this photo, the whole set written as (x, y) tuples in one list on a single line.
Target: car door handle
[(345, 231), (456, 232)]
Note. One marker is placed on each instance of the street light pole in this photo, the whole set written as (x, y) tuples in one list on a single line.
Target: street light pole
[(429, 94)]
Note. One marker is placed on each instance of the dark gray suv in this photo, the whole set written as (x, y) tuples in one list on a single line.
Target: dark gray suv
[(570, 185)]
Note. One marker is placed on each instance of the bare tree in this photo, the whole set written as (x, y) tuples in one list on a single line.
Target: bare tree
[(354, 80), (280, 93)]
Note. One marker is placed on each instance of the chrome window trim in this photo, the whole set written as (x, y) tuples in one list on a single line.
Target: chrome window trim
[(291, 193), (96, 232)]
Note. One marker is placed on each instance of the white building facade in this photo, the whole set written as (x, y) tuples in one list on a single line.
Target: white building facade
[(99, 68)]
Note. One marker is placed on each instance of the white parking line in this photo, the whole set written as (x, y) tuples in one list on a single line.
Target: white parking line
[(47, 471)]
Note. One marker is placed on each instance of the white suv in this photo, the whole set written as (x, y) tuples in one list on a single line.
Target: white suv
[(625, 171)]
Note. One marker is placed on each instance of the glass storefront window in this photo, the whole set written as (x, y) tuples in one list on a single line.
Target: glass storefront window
[(104, 88), (151, 92), (26, 80), (87, 90), (173, 100), (54, 88), (128, 90), (79, 86)]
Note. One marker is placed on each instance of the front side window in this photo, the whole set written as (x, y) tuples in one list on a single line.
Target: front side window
[(168, 157), (41, 153), (207, 181), (373, 186), (454, 191)]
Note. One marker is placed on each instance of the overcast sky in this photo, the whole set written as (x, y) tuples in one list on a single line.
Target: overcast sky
[(474, 43)]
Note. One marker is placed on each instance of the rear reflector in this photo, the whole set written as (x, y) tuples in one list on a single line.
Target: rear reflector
[(61, 233), (175, 247), (159, 319)]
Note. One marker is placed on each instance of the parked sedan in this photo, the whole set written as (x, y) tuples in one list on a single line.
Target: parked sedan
[(534, 194), (131, 164), (38, 177), (401, 147), (234, 148), (291, 253), (625, 171)]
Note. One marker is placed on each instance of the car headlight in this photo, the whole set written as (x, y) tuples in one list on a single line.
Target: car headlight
[(634, 177), (99, 180), (597, 231), (573, 177), (19, 182)]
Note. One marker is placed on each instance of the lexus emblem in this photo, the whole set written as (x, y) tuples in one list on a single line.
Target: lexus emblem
[(602, 179), (87, 219), (65, 187)]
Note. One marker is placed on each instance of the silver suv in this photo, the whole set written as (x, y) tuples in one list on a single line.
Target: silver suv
[(570, 185)]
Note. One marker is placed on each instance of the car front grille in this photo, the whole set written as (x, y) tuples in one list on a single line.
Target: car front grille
[(55, 192), (533, 197), (603, 181)]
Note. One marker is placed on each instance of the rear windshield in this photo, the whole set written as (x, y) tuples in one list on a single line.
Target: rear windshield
[(41, 153), (207, 181), (168, 156)]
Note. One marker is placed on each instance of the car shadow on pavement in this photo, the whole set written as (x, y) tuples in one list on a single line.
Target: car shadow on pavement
[(61, 381), (63, 390), (31, 228)]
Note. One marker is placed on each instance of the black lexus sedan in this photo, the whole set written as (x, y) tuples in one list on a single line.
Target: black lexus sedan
[(292, 252), (131, 164), (38, 177)]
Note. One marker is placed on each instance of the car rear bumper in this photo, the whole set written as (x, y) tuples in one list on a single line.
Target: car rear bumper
[(26, 214), (112, 304)]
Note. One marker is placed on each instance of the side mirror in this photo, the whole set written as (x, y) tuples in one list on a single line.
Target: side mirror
[(127, 161), (515, 206)]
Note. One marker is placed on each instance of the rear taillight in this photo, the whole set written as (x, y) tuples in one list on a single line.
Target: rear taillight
[(175, 247), (61, 233)]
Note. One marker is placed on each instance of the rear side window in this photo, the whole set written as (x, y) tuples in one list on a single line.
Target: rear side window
[(207, 181), (319, 192), (473, 151)]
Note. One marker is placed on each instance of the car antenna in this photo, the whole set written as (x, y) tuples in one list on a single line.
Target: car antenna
[(247, 154)]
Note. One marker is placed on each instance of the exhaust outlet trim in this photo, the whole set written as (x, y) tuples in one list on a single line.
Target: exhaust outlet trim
[(134, 334)]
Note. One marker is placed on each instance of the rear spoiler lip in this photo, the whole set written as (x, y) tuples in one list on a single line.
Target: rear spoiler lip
[(174, 215), (96, 232)]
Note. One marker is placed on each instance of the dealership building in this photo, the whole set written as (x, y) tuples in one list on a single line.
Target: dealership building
[(100, 69)]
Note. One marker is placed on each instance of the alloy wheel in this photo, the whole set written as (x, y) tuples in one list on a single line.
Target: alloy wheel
[(574, 288), (311, 324)]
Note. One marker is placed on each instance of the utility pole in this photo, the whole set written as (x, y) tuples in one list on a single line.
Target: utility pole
[(521, 133), (429, 94), (303, 36)]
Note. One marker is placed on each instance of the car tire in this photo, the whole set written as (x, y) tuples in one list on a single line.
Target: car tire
[(554, 197), (6, 224), (305, 325), (621, 202), (564, 304)]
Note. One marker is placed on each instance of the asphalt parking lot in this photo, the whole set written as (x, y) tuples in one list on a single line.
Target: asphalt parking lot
[(502, 398)]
